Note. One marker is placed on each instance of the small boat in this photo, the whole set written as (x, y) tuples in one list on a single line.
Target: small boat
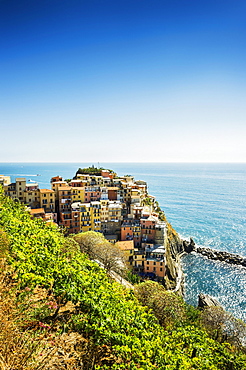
[(38, 174)]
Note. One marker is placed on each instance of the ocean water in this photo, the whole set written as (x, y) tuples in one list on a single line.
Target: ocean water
[(204, 201)]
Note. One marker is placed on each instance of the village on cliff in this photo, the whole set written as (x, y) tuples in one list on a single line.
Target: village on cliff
[(98, 200)]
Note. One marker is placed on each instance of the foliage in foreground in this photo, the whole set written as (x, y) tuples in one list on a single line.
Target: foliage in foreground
[(119, 333)]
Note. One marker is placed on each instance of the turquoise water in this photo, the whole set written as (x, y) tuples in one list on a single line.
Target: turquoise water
[(204, 201)]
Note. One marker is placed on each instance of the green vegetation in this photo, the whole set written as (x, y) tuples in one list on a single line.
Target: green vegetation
[(68, 314), (147, 201), (92, 171)]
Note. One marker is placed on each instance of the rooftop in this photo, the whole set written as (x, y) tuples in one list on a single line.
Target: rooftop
[(126, 245), (45, 190), (65, 188), (36, 211)]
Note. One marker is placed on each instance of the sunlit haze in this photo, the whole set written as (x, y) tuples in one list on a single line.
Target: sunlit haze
[(123, 81)]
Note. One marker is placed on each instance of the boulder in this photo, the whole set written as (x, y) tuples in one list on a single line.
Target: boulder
[(205, 300), (189, 246)]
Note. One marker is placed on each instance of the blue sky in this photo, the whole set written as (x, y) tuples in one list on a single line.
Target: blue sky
[(129, 81)]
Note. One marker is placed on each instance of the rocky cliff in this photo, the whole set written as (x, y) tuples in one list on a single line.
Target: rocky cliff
[(174, 249)]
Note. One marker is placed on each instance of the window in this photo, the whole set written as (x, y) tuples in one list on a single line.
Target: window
[(154, 263), (147, 268), (147, 262), (160, 268)]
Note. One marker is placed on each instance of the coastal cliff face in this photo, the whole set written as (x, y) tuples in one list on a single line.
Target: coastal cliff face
[(174, 249)]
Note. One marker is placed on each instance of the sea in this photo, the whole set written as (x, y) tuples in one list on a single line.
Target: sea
[(201, 200)]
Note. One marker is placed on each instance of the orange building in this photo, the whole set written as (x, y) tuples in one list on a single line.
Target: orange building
[(107, 173), (92, 194), (37, 213), (148, 228), (155, 261), (131, 230)]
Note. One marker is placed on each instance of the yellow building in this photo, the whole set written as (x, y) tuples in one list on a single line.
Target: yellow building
[(10, 190), (114, 211), (78, 194), (128, 248), (84, 178), (85, 217), (95, 209), (104, 210), (139, 260), (20, 184), (47, 200), (32, 195)]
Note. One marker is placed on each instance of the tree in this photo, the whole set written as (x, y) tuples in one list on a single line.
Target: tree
[(88, 240), (70, 247), (98, 248), (168, 307), (110, 256), (146, 291), (222, 326)]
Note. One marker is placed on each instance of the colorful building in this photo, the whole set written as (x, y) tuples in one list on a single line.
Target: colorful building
[(47, 200), (127, 248), (148, 228), (131, 230), (155, 261)]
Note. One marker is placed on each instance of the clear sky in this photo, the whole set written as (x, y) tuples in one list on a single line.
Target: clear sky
[(123, 80)]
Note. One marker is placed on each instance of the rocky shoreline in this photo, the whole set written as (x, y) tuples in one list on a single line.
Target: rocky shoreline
[(231, 258), (176, 248)]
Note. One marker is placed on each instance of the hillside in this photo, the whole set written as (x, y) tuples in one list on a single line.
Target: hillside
[(59, 310)]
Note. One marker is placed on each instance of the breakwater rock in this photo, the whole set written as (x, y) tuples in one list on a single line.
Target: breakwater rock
[(231, 258)]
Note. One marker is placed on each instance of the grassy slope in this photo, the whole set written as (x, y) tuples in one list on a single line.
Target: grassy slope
[(105, 314)]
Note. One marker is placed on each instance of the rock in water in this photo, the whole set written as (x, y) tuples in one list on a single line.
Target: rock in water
[(205, 300), (189, 246)]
